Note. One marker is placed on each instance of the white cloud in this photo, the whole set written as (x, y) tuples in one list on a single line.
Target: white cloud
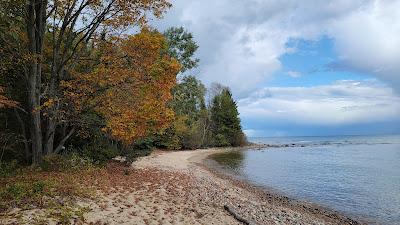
[(294, 74), (241, 42), (344, 102), (245, 60), (368, 40), (250, 132)]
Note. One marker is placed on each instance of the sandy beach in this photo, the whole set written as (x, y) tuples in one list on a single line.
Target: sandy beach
[(177, 188), (196, 195)]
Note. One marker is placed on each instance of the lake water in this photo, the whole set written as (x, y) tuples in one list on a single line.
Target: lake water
[(356, 175)]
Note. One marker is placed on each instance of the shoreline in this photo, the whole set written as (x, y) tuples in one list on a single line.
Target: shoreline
[(218, 170), (177, 188), (266, 198)]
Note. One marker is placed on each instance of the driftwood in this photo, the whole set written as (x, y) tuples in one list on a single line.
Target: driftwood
[(235, 215)]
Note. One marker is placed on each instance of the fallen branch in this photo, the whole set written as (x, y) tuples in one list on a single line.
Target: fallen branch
[(236, 215)]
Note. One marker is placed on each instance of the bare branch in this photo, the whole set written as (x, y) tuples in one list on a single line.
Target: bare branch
[(62, 142)]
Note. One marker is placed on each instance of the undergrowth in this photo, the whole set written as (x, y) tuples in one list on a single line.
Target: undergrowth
[(55, 188)]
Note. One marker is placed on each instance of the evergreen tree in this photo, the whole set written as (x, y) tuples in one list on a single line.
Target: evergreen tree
[(226, 128)]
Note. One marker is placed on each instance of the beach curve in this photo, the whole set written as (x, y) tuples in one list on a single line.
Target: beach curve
[(255, 205)]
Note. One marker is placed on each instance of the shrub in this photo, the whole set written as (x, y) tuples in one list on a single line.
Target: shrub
[(34, 189), (141, 148), (144, 144), (76, 161), (22, 192), (220, 140), (172, 137), (240, 140), (15, 192), (54, 162), (9, 168), (38, 187), (99, 153), (135, 153), (72, 161), (193, 139)]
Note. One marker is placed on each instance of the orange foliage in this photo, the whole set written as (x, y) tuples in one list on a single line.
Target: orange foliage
[(5, 102), (130, 87)]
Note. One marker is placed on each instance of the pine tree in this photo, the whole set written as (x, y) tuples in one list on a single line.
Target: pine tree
[(226, 126)]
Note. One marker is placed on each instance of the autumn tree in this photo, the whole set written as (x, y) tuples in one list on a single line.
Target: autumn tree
[(13, 72), (75, 73), (130, 87), (71, 26)]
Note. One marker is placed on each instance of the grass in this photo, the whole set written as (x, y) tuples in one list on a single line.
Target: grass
[(56, 192), (53, 195), (31, 188)]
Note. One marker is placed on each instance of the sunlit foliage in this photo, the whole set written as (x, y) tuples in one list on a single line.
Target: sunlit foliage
[(129, 87)]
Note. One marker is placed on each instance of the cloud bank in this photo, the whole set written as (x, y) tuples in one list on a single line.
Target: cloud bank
[(242, 41), (343, 103)]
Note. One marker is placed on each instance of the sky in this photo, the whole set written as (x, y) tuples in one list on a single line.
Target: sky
[(300, 68)]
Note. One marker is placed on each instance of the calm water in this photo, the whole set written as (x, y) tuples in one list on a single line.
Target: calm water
[(358, 176)]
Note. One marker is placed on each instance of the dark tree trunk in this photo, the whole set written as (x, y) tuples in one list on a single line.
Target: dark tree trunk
[(51, 120), (51, 129), (36, 22), (23, 131)]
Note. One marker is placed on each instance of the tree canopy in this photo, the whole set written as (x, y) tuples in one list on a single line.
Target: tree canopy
[(182, 47), (77, 74), (130, 86)]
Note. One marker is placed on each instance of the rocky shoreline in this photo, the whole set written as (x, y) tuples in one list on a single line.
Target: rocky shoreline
[(275, 199), (250, 204)]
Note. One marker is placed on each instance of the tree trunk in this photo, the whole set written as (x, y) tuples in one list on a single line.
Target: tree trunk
[(35, 21), (34, 93), (23, 131), (51, 120), (51, 129)]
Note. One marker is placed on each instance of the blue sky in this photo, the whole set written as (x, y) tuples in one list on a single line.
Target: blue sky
[(295, 69), (310, 64)]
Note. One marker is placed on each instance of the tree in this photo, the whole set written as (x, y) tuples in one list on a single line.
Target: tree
[(130, 87), (72, 24), (182, 47), (172, 137), (188, 97), (13, 73), (188, 105), (225, 121), (214, 90)]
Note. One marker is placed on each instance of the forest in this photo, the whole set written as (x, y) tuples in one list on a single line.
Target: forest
[(93, 79)]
